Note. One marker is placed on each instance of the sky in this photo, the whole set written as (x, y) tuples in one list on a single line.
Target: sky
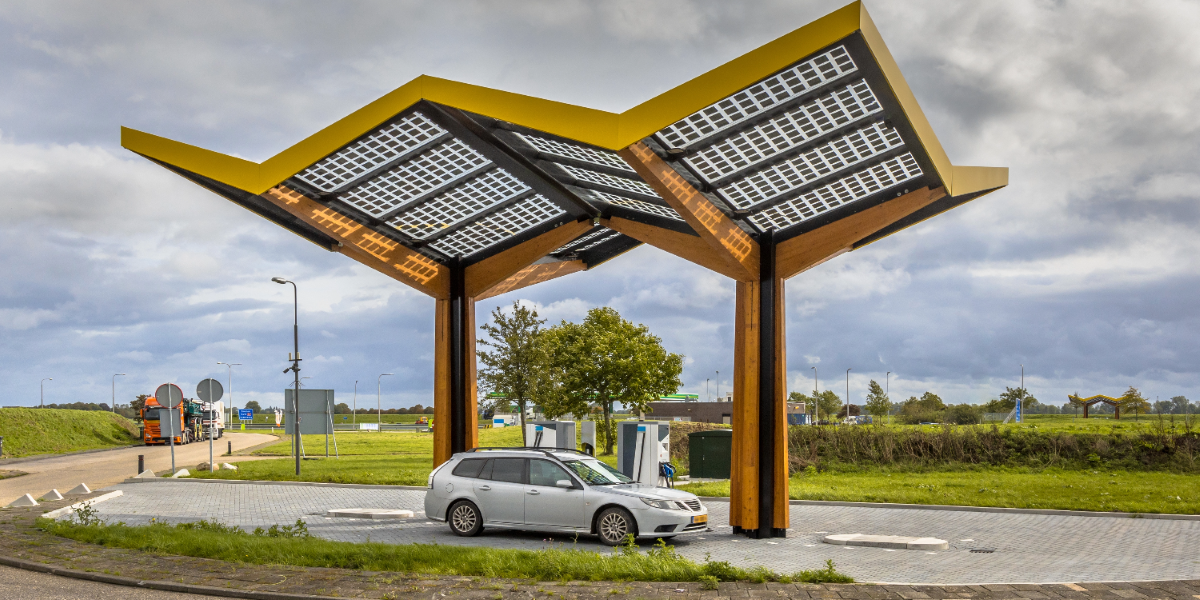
[(1083, 270)]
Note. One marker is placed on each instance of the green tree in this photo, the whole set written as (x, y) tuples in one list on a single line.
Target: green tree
[(1011, 396), (1075, 402), (341, 408), (1132, 401), (825, 405), (256, 407), (517, 365), (605, 360), (137, 405), (878, 404), (926, 409)]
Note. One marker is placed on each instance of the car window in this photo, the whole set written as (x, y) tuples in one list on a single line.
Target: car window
[(469, 467), (544, 472), (511, 470), (597, 473)]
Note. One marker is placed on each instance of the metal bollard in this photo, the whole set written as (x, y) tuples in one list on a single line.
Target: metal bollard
[(230, 451), (1, 445), (141, 464)]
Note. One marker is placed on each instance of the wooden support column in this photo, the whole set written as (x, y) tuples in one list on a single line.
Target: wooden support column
[(455, 403)]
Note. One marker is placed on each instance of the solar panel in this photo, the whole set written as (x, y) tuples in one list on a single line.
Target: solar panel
[(879, 177), (638, 205), (610, 181), (836, 155), (791, 129), (459, 204), (497, 227), (414, 178), (555, 148), (360, 158), (730, 111), (591, 235)]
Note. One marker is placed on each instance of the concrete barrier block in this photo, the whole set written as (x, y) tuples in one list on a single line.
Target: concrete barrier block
[(51, 496), (80, 490), (25, 500)]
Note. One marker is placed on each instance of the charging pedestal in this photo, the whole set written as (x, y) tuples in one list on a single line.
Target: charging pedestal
[(587, 436), (551, 434), (641, 447)]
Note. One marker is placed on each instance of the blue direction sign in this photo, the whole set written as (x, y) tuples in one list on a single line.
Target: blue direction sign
[(245, 414)]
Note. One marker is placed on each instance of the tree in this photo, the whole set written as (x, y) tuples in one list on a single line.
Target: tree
[(137, 405), (1075, 402), (926, 409), (878, 404), (255, 406), (517, 366), (606, 360), (825, 405), (1011, 396), (1133, 401), (341, 408), (1179, 405)]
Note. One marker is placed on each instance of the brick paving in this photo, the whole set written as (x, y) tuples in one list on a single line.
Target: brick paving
[(1026, 548)]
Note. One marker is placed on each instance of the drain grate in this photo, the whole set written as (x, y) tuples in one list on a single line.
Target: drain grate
[(982, 550)]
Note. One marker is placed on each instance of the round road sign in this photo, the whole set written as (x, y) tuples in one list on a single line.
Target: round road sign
[(168, 395), (209, 387)]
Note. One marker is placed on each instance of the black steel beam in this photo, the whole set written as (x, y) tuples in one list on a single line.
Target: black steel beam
[(935, 208), (459, 317), (607, 251), (481, 140), (766, 391)]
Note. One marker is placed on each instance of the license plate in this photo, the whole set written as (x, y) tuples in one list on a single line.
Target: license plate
[(700, 519)]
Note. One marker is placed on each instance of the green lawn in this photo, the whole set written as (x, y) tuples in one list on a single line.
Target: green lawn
[(29, 431), (269, 418), (1125, 491)]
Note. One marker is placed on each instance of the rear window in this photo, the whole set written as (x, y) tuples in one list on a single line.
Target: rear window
[(469, 467), (511, 470)]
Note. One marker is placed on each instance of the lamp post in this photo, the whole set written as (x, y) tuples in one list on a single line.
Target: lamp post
[(114, 391), (816, 397), (718, 384), (42, 385), (379, 402), (295, 368), (847, 393), (887, 391), (707, 395), (229, 384), (354, 414), (1021, 399)]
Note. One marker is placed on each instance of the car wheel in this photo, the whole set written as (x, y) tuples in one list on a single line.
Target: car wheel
[(614, 524), (464, 519)]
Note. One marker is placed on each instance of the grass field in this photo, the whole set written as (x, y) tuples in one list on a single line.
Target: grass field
[(269, 418), (1093, 424), (294, 547), (1124, 491), (29, 431)]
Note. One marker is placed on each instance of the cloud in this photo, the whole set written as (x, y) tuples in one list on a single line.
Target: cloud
[(1083, 270)]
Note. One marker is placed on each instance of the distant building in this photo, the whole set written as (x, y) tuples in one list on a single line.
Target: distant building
[(720, 411)]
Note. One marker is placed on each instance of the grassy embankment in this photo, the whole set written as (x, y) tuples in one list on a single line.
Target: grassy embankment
[(293, 546), (29, 431)]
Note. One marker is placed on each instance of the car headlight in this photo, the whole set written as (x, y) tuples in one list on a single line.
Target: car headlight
[(663, 504)]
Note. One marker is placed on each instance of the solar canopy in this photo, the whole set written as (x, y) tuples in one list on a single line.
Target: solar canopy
[(455, 174)]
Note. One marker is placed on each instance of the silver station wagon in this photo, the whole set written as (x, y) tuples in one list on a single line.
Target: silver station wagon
[(562, 491)]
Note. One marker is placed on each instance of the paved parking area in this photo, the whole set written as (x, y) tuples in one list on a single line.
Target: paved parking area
[(1026, 548)]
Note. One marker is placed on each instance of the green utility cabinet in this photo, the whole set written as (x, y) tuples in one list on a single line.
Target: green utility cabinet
[(709, 453)]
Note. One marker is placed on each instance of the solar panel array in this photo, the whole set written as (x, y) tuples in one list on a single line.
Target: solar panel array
[(795, 145)]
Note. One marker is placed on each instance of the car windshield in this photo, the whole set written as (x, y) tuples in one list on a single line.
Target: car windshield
[(596, 473)]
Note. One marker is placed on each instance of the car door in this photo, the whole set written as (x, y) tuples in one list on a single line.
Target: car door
[(546, 504), (500, 490)]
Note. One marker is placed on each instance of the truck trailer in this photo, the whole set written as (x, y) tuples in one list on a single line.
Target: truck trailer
[(190, 415)]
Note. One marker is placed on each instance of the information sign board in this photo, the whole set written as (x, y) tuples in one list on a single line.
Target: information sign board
[(245, 414)]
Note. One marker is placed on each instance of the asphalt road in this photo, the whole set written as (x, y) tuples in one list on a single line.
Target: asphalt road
[(31, 585), (102, 469)]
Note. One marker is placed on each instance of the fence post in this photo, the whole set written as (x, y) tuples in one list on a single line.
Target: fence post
[(141, 464)]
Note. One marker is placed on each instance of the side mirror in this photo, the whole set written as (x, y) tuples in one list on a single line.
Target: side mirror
[(564, 483)]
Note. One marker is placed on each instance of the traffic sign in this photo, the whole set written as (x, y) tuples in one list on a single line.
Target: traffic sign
[(168, 395), (245, 414), (209, 387)]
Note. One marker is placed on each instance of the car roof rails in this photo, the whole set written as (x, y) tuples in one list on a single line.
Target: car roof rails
[(546, 451)]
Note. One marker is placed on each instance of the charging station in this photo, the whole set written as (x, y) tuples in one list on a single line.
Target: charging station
[(551, 434), (642, 447), (587, 437)]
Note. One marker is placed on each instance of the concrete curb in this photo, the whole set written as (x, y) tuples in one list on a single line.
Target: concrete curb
[(358, 486), (985, 509), (58, 512), (165, 586)]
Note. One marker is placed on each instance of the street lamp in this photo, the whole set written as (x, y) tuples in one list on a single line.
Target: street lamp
[(114, 391), (229, 384), (847, 393), (718, 384), (295, 368), (354, 414), (379, 401), (887, 391), (42, 384), (816, 397)]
